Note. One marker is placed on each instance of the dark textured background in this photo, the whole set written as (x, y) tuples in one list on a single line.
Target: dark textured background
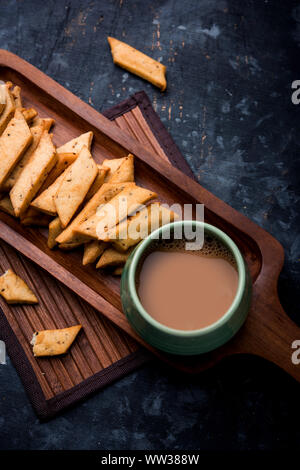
[(228, 106)]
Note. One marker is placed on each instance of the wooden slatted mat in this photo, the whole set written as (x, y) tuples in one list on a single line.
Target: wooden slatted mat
[(102, 352)]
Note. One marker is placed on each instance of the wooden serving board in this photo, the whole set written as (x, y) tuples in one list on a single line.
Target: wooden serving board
[(106, 353), (268, 332)]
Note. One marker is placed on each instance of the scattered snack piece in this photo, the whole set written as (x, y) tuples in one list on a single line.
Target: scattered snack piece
[(132, 230), (36, 133), (138, 63), (55, 229), (38, 220), (6, 206), (75, 145), (125, 172), (92, 251), (45, 201), (9, 109), (2, 97), (31, 213), (29, 114), (34, 217), (105, 194), (33, 175), (64, 160), (47, 123), (122, 205), (78, 179), (16, 93), (112, 257), (54, 342), (98, 182), (118, 271), (112, 164), (13, 142), (15, 290)]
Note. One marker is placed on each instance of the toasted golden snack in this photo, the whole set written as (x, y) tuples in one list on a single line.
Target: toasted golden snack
[(112, 257), (15, 290), (13, 142), (55, 229), (92, 251), (105, 194), (75, 145), (38, 220), (9, 109), (36, 137), (131, 231), (64, 160), (125, 172), (118, 271), (34, 217), (29, 114), (45, 201), (54, 342), (33, 175), (6, 206), (112, 164), (2, 97), (78, 179), (47, 123), (30, 213), (138, 63), (122, 205), (69, 246), (16, 93), (98, 182)]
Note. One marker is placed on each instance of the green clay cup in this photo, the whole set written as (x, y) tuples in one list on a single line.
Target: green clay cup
[(184, 342)]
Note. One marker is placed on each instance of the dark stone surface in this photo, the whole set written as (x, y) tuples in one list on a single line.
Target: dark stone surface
[(228, 107)]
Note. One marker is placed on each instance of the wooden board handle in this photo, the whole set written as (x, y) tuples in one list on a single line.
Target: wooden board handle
[(271, 334)]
